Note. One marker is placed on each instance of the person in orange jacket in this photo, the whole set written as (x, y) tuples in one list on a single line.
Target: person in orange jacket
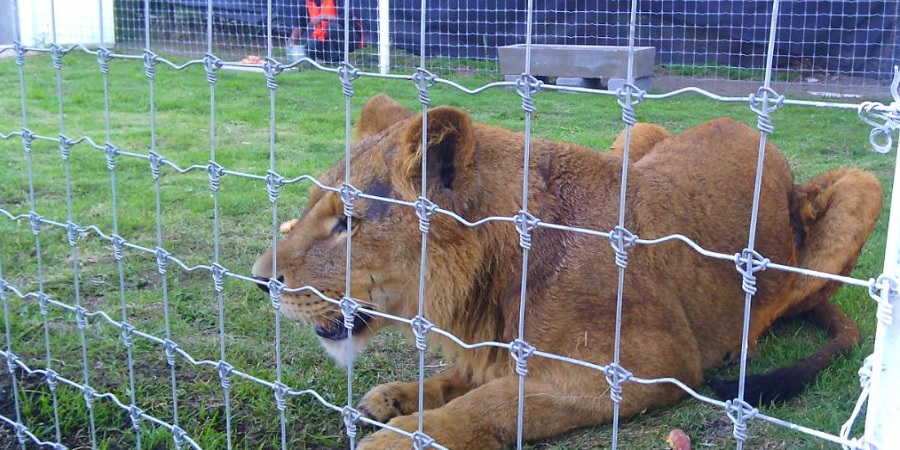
[(324, 32)]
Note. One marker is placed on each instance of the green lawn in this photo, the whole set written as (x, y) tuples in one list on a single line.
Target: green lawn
[(309, 137)]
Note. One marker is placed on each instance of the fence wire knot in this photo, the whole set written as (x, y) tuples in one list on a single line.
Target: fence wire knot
[(424, 80), (136, 414), (73, 233), (150, 61), (764, 102), (89, 393), (349, 308), (56, 54), (865, 371), (525, 223), (27, 139), (20, 51), (20, 434), (3, 287), (35, 220), (104, 56), (11, 362), (224, 370), (526, 86), (889, 116), (118, 243), (156, 161), (215, 172), (275, 289), (425, 208), (272, 68), (162, 260), (170, 347), (80, 315), (280, 390), (616, 376), (521, 351), (748, 262), (421, 327), (274, 182), (347, 74), (52, 379), (628, 96), (127, 334), (884, 291), (349, 195), (422, 441), (178, 435), (351, 416), (740, 412), (64, 145), (211, 63), (111, 153), (218, 273), (621, 240), (43, 304)]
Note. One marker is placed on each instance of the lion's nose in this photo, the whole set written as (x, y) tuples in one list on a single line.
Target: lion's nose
[(264, 282)]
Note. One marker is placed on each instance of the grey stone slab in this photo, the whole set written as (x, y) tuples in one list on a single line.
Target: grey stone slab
[(583, 61)]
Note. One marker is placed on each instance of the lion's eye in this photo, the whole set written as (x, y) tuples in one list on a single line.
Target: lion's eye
[(342, 225)]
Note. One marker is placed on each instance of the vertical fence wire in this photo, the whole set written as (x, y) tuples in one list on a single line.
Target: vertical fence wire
[(162, 256), (28, 142), (271, 69), (621, 238), (520, 349), (424, 208), (118, 243), (749, 262), (57, 54), (211, 65)]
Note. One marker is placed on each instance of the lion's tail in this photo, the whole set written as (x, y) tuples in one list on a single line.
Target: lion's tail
[(832, 215)]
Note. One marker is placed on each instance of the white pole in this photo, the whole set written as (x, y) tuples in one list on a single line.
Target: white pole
[(883, 414), (384, 36)]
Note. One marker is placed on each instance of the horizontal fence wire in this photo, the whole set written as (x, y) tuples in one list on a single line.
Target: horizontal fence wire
[(883, 118)]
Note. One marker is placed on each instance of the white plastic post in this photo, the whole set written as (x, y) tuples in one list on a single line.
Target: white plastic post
[(883, 413), (384, 36)]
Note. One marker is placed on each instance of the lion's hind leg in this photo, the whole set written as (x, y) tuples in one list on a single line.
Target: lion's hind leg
[(832, 216)]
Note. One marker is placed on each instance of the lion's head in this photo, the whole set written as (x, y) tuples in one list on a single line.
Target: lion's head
[(386, 162)]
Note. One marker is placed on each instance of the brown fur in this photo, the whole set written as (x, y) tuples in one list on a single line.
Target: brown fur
[(682, 312), (644, 136)]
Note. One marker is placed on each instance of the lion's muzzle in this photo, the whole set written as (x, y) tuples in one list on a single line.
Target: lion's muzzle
[(336, 331)]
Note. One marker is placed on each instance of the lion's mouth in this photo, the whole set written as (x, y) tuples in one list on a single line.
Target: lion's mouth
[(335, 330)]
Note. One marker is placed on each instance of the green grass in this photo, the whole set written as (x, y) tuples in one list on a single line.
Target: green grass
[(728, 72), (309, 138)]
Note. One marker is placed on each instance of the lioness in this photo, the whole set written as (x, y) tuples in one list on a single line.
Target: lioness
[(682, 312)]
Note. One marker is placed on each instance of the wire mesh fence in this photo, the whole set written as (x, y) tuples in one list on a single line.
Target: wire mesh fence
[(129, 240), (820, 43)]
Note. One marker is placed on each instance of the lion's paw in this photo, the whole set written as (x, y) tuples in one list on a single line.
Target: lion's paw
[(391, 440), (384, 402)]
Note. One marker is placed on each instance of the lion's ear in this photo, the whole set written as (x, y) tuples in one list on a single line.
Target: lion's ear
[(378, 114), (451, 151)]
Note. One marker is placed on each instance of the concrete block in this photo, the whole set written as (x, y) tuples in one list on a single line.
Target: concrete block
[(583, 61)]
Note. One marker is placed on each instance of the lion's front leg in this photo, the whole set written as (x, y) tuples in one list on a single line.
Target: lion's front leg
[(389, 400), (486, 417)]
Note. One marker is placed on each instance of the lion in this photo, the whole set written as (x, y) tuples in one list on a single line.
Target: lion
[(682, 313)]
